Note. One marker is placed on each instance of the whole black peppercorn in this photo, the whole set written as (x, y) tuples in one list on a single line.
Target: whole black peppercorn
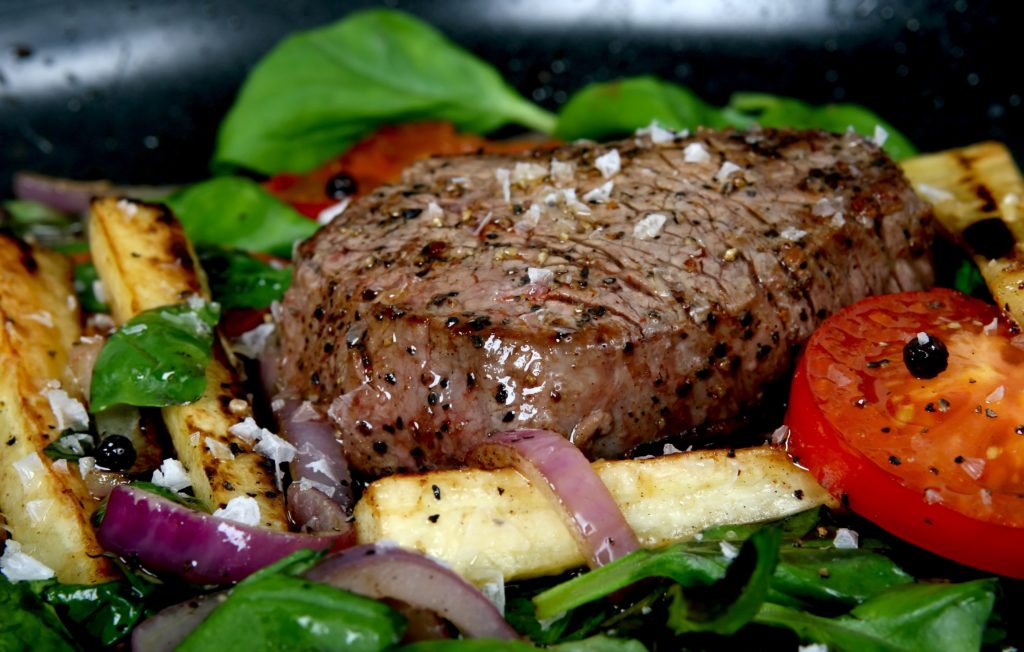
[(925, 356), (116, 453), (341, 186)]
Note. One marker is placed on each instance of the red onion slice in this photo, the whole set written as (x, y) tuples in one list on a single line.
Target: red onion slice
[(551, 463), (69, 196), (319, 460), (166, 537), (382, 571)]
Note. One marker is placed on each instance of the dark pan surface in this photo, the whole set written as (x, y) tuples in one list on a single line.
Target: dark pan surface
[(133, 91)]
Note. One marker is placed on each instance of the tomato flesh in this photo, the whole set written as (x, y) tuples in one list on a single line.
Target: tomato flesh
[(938, 462), (380, 158)]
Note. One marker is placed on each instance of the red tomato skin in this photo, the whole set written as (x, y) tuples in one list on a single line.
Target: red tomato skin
[(878, 495)]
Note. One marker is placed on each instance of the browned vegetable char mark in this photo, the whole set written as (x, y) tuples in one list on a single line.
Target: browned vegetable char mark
[(423, 319)]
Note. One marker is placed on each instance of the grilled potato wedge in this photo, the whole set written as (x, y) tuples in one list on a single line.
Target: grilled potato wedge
[(485, 523), (978, 196), (45, 503), (145, 261)]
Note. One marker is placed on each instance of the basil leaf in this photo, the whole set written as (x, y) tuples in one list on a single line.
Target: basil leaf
[(107, 612), (905, 618), (608, 109), (85, 278), (70, 445), (239, 280), (157, 358), (284, 612), (730, 603), (617, 108), (813, 578), (767, 110), (28, 623), (319, 91), (968, 279), (238, 212)]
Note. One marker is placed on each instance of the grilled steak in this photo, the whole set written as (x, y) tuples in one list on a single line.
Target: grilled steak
[(615, 293)]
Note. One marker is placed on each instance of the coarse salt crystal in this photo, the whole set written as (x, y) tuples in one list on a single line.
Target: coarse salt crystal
[(780, 435), (600, 194), (608, 163), (18, 566), (880, 136), (252, 342), (277, 450), (234, 536), (974, 467), (991, 327), (997, 395), (526, 173), (219, 449), (922, 338), (838, 220), (29, 469), (846, 539), (658, 134), (792, 234), (248, 430), (539, 274), (932, 496), (172, 475), (129, 208), (240, 509), (696, 153), (649, 227), (69, 412), (531, 218), (503, 175), (332, 212), (562, 172), (669, 449), (729, 551), (433, 212), (824, 207), (41, 316), (728, 169)]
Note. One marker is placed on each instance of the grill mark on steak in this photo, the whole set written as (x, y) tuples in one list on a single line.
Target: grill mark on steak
[(631, 340)]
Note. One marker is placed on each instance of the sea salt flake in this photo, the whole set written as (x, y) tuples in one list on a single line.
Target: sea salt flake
[(997, 395), (526, 173), (69, 412), (922, 338), (991, 327), (18, 566), (780, 435), (172, 475), (932, 496), (658, 134), (880, 136), (974, 467), (600, 194), (234, 536), (539, 275), (504, 176), (729, 551), (649, 227), (792, 234), (696, 153), (332, 212), (240, 509), (846, 539), (219, 449), (933, 194), (562, 172), (728, 169), (609, 163), (129, 208)]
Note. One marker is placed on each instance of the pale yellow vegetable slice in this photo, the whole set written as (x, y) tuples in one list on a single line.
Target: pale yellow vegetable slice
[(145, 261)]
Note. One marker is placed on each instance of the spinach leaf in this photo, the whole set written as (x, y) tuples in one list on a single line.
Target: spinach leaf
[(827, 577), (156, 358), (318, 92), (239, 280), (28, 623), (277, 610), (617, 108), (607, 109), (729, 604), (904, 618), (107, 612), (744, 109), (70, 445), (85, 278), (238, 212), (968, 279)]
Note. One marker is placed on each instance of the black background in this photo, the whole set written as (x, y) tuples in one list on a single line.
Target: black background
[(133, 91)]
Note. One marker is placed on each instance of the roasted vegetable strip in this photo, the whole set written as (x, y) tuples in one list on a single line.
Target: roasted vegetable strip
[(490, 523), (45, 504), (145, 261), (977, 192)]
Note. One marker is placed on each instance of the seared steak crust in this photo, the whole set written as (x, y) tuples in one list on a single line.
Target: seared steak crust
[(447, 307)]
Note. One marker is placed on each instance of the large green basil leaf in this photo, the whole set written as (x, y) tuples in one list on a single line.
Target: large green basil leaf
[(319, 91), (157, 358), (239, 280), (29, 624), (238, 212), (608, 109)]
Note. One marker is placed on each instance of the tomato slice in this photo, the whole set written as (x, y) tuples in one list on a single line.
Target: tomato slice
[(380, 158), (938, 462)]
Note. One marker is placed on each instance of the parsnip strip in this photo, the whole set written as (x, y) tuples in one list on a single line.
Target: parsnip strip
[(145, 261), (483, 523), (972, 184), (45, 505)]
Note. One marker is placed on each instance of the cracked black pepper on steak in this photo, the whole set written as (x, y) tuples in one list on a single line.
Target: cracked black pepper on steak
[(503, 291)]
